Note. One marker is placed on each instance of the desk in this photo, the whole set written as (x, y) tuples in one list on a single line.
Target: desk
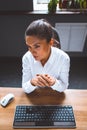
[(76, 98)]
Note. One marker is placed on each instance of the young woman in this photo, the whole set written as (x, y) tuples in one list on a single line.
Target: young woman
[(43, 65)]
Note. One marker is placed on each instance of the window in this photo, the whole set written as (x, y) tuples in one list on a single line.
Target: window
[(40, 4), (42, 1), (43, 5)]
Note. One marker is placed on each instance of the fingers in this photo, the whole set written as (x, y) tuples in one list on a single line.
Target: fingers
[(37, 82), (42, 80), (49, 79), (46, 79)]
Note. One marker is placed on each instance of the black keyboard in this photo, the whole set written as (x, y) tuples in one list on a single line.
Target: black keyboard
[(46, 116)]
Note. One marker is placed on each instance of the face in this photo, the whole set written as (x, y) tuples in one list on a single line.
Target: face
[(39, 48)]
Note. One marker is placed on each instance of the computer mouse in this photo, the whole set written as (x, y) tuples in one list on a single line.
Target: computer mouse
[(7, 99)]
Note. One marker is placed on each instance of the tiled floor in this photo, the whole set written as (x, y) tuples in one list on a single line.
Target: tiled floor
[(11, 72)]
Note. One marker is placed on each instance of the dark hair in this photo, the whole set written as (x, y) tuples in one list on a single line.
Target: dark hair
[(55, 34), (41, 29), (56, 38)]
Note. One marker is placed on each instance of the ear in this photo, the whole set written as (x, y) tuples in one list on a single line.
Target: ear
[(51, 41)]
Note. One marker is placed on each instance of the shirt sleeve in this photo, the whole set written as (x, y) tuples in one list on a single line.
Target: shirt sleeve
[(62, 82), (26, 76)]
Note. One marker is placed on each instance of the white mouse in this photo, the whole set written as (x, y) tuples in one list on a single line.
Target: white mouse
[(7, 99)]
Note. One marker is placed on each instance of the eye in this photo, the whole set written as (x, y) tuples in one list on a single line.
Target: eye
[(37, 46)]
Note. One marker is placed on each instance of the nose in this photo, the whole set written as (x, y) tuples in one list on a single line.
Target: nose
[(33, 51)]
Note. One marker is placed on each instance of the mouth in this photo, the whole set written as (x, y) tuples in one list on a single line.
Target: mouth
[(35, 57)]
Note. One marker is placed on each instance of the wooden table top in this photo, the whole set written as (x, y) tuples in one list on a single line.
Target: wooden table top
[(46, 96)]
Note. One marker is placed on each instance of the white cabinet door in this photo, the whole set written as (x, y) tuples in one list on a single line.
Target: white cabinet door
[(63, 31), (72, 36), (78, 34)]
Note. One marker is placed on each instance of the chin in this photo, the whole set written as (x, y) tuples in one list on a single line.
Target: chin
[(36, 58)]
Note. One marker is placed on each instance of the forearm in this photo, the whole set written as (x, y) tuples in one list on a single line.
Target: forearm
[(62, 82), (60, 86), (28, 87)]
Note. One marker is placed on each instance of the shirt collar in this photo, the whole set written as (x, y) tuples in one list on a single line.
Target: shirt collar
[(51, 58)]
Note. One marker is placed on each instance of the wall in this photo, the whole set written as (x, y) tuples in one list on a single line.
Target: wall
[(16, 5)]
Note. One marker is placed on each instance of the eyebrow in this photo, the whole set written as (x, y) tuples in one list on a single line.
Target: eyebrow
[(27, 45), (33, 45)]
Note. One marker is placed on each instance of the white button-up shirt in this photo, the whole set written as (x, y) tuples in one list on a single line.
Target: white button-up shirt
[(57, 66)]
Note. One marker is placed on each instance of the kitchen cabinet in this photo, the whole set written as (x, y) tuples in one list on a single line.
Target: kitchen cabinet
[(72, 36)]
